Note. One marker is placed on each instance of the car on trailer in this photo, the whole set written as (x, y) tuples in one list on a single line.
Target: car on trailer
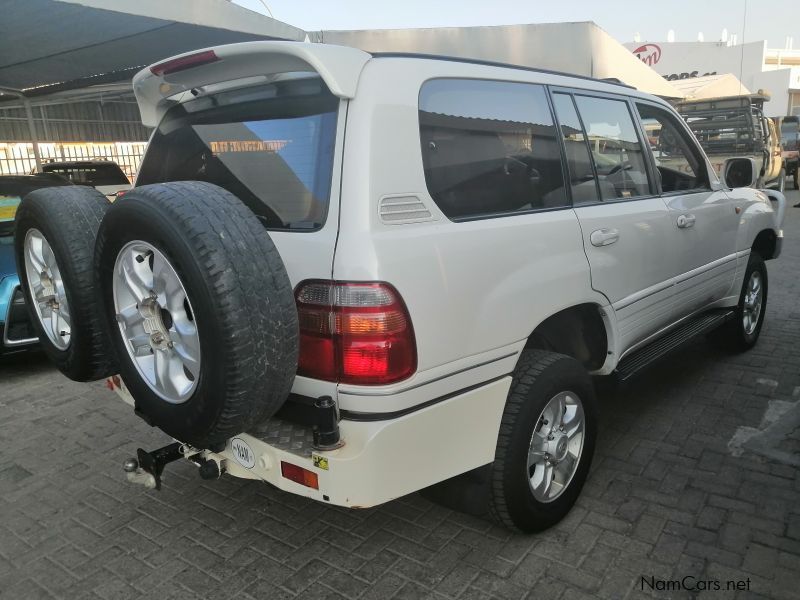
[(354, 291)]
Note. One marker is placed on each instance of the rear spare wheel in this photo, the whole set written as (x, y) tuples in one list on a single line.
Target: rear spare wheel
[(200, 309), (54, 237)]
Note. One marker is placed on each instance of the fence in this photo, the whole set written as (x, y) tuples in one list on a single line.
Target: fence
[(18, 159)]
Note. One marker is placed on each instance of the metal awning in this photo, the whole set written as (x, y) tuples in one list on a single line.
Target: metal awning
[(54, 45), (53, 49)]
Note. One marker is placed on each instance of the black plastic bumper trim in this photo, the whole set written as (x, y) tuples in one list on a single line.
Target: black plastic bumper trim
[(351, 415)]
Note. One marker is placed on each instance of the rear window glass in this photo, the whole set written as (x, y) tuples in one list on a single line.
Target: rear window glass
[(271, 146), (489, 148), (91, 175)]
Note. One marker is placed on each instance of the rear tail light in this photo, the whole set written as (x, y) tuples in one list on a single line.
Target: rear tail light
[(299, 475), (358, 333), (184, 62)]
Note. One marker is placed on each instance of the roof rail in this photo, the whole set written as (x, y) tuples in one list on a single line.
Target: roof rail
[(492, 63)]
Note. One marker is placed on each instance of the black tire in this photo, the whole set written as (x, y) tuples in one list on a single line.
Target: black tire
[(539, 376), (69, 218), (732, 337), (241, 297)]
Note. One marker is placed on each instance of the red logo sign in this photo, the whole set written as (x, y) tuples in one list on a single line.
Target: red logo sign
[(649, 54)]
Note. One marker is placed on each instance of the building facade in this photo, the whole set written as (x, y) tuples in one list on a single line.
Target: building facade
[(758, 68)]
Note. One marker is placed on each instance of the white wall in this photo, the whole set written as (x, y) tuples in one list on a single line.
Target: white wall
[(685, 59)]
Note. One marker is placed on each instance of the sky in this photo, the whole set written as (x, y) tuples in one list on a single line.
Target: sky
[(773, 20)]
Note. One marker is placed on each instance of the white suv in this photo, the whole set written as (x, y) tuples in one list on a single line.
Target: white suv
[(355, 276)]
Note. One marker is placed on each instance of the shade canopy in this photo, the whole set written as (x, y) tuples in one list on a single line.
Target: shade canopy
[(49, 46)]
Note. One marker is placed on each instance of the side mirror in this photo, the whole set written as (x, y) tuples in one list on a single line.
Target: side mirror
[(739, 172)]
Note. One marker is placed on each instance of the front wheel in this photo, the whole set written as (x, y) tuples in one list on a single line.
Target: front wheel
[(741, 333), (545, 444)]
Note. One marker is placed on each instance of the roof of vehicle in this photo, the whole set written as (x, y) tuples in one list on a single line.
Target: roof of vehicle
[(51, 178), (340, 67), (78, 163)]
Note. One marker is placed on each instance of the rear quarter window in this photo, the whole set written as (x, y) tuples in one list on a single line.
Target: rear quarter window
[(489, 148)]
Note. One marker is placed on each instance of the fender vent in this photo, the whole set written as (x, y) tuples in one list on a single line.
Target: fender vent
[(397, 210)]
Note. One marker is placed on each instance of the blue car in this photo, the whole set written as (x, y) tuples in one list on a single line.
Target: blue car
[(16, 331)]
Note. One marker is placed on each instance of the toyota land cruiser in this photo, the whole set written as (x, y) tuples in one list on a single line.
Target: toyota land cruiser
[(354, 276)]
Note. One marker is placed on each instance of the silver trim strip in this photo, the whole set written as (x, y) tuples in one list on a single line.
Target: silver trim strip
[(642, 294), (434, 380), (705, 268)]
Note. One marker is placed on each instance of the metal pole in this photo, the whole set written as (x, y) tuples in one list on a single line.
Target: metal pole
[(32, 130)]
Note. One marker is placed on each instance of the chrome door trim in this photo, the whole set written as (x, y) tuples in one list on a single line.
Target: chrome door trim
[(706, 267), (642, 294)]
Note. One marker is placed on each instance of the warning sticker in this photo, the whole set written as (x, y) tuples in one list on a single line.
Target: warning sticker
[(320, 462)]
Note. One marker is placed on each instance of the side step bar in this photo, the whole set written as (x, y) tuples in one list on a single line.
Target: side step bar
[(661, 347)]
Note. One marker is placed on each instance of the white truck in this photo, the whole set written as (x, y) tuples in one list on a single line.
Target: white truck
[(354, 276)]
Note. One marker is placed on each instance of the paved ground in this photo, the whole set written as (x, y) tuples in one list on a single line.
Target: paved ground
[(695, 476)]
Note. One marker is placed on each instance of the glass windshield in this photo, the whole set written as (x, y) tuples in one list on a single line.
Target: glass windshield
[(271, 146)]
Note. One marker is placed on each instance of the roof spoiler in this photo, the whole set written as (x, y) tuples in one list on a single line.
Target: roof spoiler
[(339, 67)]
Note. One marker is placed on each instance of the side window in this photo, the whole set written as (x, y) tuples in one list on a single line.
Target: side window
[(579, 160), (679, 163), (616, 150), (489, 147)]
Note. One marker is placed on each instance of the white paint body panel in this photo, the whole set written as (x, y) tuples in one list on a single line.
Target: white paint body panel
[(475, 290)]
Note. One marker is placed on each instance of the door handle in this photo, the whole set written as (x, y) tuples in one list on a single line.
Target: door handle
[(686, 221), (604, 237)]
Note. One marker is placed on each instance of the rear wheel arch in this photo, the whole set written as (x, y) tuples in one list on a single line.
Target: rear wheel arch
[(581, 331)]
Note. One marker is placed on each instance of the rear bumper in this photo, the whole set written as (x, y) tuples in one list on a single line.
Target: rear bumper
[(380, 460)]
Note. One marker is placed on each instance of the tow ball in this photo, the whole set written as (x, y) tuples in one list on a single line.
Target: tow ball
[(146, 469)]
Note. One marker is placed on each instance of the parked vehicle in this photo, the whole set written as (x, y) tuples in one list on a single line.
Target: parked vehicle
[(16, 331), (422, 301), (736, 126), (106, 176), (790, 142)]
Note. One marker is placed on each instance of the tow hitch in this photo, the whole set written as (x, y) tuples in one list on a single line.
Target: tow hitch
[(147, 467)]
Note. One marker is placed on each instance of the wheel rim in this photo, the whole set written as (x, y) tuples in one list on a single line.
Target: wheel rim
[(157, 322), (753, 297), (556, 446), (47, 289)]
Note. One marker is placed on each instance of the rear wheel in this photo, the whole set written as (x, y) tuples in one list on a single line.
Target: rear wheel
[(546, 442), (201, 310), (55, 233)]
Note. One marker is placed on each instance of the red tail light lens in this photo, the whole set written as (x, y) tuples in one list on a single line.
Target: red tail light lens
[(184, 62), (299, 475), (357, 333)]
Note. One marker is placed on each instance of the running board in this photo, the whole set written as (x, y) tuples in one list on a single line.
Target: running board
[(661, 347)]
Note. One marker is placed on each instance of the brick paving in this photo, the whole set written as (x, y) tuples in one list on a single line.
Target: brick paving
[(670, 495)]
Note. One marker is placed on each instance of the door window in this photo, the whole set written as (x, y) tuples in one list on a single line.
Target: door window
[(616, 150), (679, 163), (489, 148), (579, 160)]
